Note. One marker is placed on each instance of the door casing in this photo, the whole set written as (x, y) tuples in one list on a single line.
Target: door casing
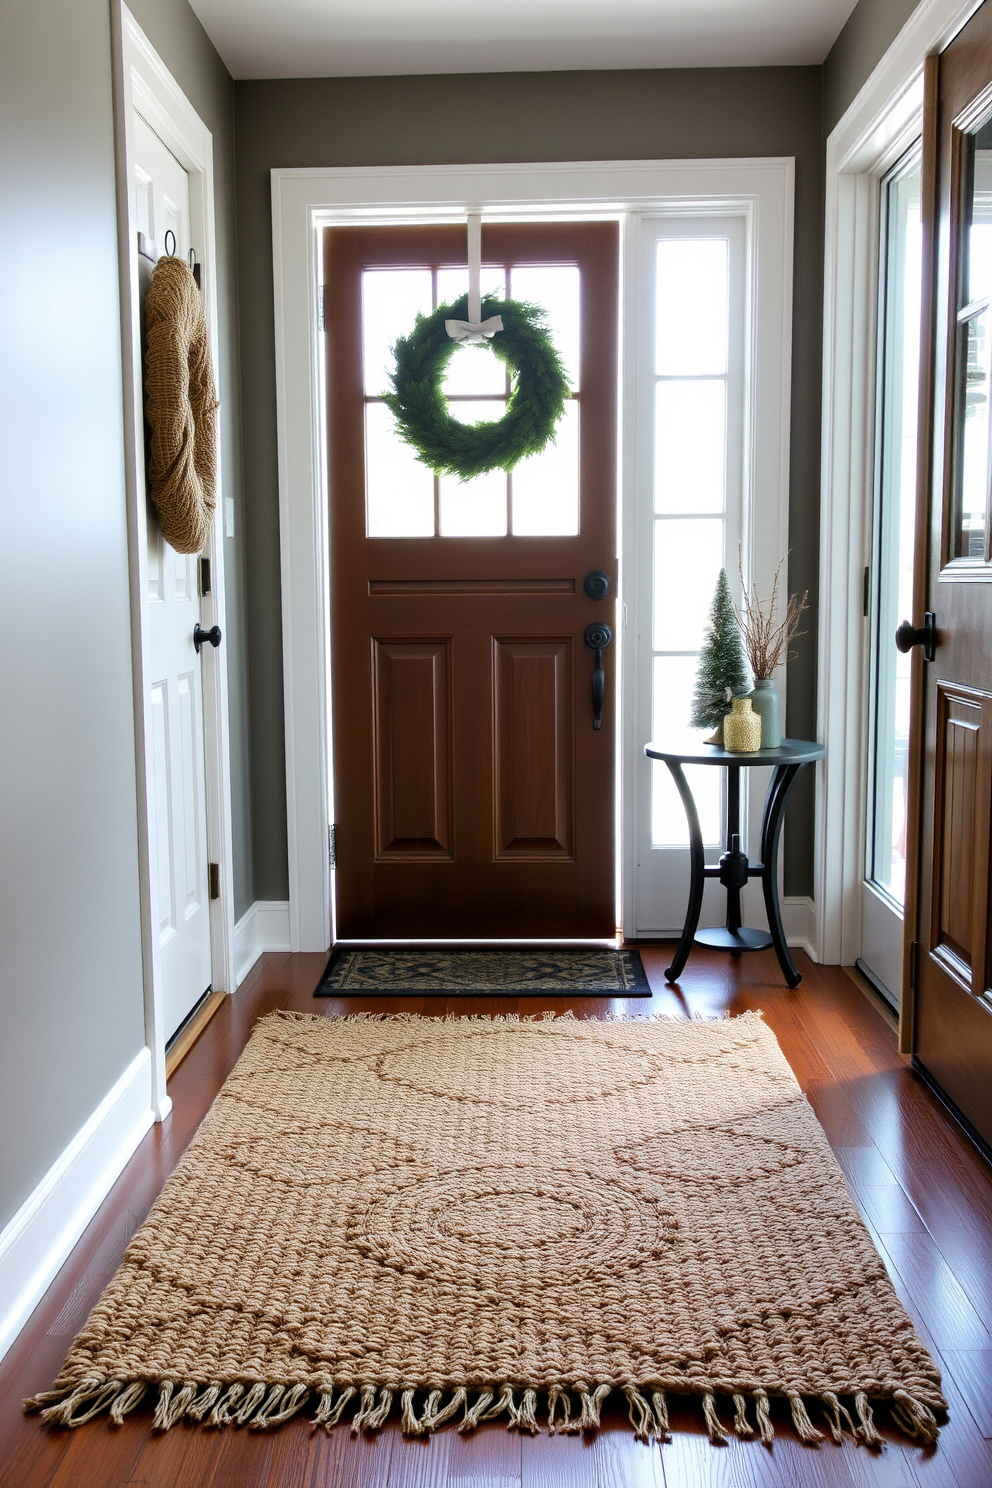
[(305, 200), (141, 80)]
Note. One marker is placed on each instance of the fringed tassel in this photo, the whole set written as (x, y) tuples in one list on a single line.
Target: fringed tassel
[(763, 1414), (409, 1424), (524, 1416), (221, 1415), (717, 1434), (292, 1400), (205, 1402), (94, 1395), (367, 1404), (329, 1410), (378, 1417), (866, 1421), (132, 1395), (642, 1416), (435, 1414), (800, 1419), (475, 1413), (249, 1405), (591, 1402), (838, 1416), (560, 1411), (173, 1404), (742, 1425), (915, 1418), (660, 1406)]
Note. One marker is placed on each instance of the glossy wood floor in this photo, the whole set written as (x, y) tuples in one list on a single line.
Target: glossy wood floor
[(925, 1194)]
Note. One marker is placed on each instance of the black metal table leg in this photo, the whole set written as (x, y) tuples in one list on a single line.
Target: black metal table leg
[(733, 842), (696, 875), (771, 830)]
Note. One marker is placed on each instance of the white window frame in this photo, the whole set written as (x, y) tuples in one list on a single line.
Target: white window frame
[(877, 129), (306, 200)]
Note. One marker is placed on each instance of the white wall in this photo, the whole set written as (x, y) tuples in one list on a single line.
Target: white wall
[(71, 1015)]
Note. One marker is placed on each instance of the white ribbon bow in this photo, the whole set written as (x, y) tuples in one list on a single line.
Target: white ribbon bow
[(474, 332)]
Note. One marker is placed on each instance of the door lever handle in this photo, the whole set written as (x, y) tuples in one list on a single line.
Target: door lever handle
[(597, 637), (213, 635), (925, 635)]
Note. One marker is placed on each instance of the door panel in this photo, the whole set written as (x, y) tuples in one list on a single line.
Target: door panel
[(952, 1032), (177, 810), (533, 747), (472, 795), (412, 728)]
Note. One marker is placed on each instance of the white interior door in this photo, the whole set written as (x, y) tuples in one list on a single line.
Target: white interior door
[(176, 787)]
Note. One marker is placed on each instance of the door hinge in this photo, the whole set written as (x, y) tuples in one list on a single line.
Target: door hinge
[(914, 956), (320, 307), (204, 577), (332, 846), (213, 874), (866, 591)]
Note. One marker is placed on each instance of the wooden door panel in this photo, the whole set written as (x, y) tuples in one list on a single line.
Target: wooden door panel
[(412, 729), (533, 746), (961, 831), (472, 795)]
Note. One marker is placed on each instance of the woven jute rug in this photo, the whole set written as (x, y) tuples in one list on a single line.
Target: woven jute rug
[(462, 1219), (547, 972)]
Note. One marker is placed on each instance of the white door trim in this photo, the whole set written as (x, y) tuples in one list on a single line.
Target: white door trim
[(879, 126), (142, 81), (304, 200)]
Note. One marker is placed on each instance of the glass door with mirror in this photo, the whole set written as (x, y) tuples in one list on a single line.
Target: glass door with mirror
[(888, 587)]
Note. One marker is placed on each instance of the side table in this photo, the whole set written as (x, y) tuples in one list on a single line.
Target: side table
[(733, 869)]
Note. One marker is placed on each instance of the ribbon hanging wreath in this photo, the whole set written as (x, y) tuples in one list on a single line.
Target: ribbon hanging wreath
[(180, 407), (516, 333)]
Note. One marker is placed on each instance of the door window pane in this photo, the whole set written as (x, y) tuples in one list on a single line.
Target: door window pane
[(690, 446), (971, 449), (895, 502), (688, 556), (674, 677), (974, 438), (556, 289), (692, 307), (399, 490), (545, 487), (391, 301)]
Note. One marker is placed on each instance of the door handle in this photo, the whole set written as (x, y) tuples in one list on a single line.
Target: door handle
[(597, 584), (213, 635), (925, 635), (597, 637)]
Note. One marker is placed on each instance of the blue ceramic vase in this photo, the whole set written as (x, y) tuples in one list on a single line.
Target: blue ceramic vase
[(764, 702)]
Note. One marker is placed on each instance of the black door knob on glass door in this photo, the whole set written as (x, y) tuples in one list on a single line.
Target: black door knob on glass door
[(201, 637), (909, 635), (597, 637)]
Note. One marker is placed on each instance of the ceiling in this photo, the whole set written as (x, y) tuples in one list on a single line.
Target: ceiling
[(359, 38)]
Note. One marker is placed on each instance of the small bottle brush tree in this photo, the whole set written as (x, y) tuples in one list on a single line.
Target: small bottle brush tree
[(723, 672)]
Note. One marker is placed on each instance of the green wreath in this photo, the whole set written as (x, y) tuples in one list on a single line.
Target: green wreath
[(537, 398)]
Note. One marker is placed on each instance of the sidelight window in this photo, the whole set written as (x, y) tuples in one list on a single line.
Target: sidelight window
[(540, 498)]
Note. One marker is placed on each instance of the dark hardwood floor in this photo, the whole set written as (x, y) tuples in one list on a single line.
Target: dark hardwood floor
[(925, 1193)]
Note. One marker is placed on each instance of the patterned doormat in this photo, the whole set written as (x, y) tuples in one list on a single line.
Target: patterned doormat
[(487, 973), (454, 1220)]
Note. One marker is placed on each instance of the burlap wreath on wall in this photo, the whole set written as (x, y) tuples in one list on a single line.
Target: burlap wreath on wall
[(180, 406)]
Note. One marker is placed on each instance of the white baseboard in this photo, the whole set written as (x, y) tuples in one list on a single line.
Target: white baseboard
[(41, 1234), (799, 919), (264, 927)]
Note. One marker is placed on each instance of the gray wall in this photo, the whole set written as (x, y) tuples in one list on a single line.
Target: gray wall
[(870, 30), (188, 53), (514, 117), (70, 953)]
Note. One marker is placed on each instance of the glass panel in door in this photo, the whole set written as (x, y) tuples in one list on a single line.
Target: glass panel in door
[(891, 571)]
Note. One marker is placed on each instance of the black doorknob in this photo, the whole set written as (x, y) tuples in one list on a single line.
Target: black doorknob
[(213, 635), (597, 584), (925, 635)]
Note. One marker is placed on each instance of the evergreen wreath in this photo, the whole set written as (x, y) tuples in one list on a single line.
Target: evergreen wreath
[(539, 390)]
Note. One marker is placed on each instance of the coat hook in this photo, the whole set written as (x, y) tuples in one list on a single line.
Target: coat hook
[(194, 266), (170, 234)]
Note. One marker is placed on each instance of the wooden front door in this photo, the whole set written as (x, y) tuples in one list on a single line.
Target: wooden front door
[(473, 797), (953, 956)]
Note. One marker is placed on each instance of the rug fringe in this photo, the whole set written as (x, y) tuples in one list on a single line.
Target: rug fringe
[(570, 1408), (547, 1015)]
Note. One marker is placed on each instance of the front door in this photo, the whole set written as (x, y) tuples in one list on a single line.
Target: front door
[(177, 797), (953, 961), (473, 797)]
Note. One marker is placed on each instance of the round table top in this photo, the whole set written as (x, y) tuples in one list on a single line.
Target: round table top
[(689, 749)]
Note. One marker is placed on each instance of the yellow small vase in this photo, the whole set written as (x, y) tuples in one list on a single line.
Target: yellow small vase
[(742, 728)]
